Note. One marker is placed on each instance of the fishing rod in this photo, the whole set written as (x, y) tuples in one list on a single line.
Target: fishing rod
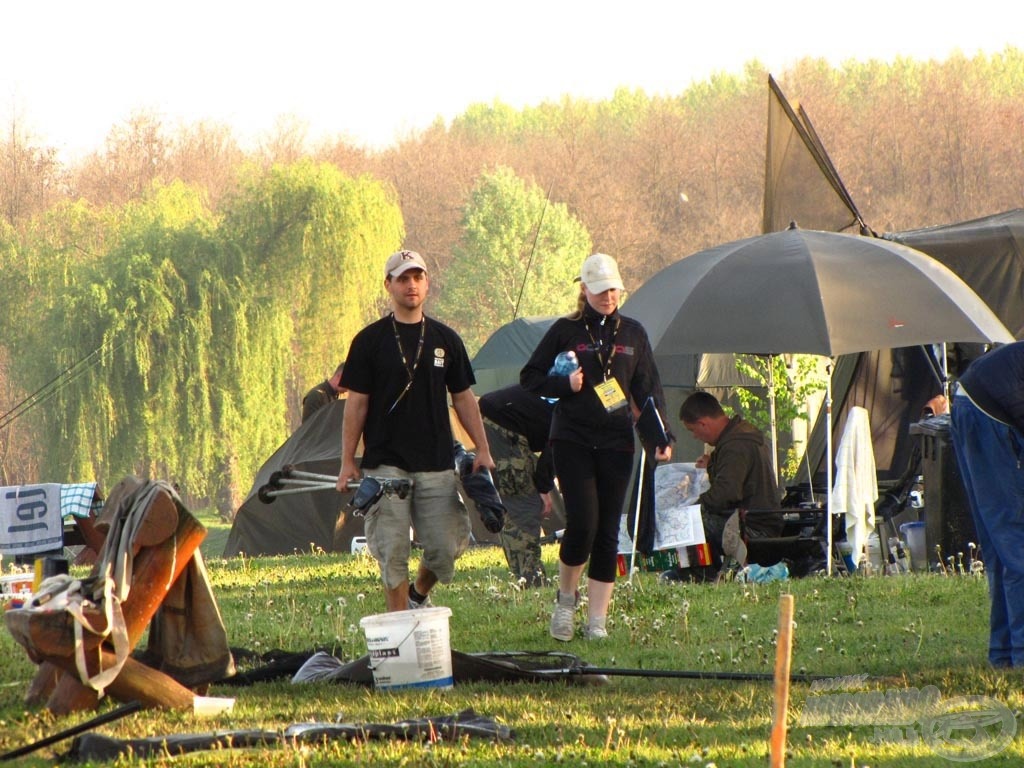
[(51, 387), (108, 717), (683, 674), (533, 250)]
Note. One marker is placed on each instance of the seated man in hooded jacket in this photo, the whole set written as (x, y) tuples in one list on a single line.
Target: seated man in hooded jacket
[(739, 470)]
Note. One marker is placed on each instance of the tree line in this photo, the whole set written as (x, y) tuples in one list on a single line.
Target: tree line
[(168, 298)]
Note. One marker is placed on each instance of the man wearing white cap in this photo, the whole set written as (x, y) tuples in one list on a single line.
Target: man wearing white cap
[(399, 373)]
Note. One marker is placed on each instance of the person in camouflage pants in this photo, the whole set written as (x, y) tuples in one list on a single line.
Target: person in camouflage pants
[(517, 424)]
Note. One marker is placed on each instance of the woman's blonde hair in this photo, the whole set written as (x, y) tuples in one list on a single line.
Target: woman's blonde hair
[(581, 302)]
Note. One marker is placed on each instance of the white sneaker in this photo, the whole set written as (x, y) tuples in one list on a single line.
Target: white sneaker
[(596, 629), (563, 617)]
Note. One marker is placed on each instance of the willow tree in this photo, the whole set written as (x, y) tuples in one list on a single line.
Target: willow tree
[(162, 311), (40, 267), (315, 241), (517, 257)]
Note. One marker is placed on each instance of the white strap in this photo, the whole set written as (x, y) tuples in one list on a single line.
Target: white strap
[(115, 629)]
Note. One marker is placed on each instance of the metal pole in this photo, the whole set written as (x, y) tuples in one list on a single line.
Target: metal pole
[(636, 513), (828, 472), (771, 416)]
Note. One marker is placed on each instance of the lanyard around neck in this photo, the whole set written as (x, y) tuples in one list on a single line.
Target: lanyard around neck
[(411, 370), (606, 365)]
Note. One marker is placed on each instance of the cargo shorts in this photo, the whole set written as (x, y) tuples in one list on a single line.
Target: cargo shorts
[(437, 513)]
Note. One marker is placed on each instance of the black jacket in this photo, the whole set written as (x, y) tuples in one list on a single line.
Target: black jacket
[(580, 417), (995, 382)]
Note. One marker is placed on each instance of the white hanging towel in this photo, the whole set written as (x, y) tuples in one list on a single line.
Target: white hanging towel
[(856, 487)]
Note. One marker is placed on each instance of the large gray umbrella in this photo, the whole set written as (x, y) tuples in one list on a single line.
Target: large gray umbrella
[(803, 291)]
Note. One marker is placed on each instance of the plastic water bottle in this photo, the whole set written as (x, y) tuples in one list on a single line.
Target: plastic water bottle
[(565, 363)]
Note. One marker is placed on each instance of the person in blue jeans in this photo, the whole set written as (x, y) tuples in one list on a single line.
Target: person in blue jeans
[(987, 431)]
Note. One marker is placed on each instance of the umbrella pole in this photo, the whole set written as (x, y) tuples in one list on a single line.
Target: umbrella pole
[(636, 512), (945, 373), (771, 416), (828, 472)]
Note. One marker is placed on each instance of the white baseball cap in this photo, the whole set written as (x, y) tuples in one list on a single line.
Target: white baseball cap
[(403, 261), (600, 272)]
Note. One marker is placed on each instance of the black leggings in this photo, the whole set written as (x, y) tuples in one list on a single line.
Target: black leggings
[(593, 483)]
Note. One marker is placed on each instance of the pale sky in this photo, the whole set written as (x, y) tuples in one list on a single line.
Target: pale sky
[(373, 71)]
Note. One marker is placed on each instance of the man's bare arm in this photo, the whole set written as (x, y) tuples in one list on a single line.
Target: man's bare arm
[(468, 411), (356, 407)]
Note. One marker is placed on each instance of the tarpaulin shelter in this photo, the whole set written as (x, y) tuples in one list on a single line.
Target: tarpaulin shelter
[(803, 185)]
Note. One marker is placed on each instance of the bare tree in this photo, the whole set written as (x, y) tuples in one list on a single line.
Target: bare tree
[(30, 176), (135, 154), (207, 156), (286, 143)]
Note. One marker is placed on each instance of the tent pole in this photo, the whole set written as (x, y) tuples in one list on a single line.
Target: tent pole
[(945, 372)]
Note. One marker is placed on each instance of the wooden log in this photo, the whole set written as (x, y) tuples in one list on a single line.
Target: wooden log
[(153, 688), (69, 694), (135, 682), (92, 537), (42, 685), (155, 569)]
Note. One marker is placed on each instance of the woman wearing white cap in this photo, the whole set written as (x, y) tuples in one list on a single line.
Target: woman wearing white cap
[(592, 434)]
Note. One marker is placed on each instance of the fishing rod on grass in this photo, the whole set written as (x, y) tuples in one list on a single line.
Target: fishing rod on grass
[(107, 717), (567, 665)]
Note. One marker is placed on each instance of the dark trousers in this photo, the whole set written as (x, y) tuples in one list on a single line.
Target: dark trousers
[(593, 483)]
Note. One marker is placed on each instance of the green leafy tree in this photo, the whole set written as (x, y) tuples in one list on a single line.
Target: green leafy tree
[(792, 381), (518, 256), (192, 324), (314, 242)]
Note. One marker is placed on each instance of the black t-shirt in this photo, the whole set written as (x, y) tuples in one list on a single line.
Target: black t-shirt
[(407, 429)]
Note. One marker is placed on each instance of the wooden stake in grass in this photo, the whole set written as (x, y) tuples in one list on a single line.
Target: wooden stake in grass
[(783, 654)]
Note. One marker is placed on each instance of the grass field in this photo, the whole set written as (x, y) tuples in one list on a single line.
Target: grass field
[(891, 636)]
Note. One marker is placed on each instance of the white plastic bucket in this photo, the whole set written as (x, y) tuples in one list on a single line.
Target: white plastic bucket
[(914, 534), (409, 649)]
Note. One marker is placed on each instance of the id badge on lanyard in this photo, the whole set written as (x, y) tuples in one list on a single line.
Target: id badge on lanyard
[(611, 395), (608, 391)]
